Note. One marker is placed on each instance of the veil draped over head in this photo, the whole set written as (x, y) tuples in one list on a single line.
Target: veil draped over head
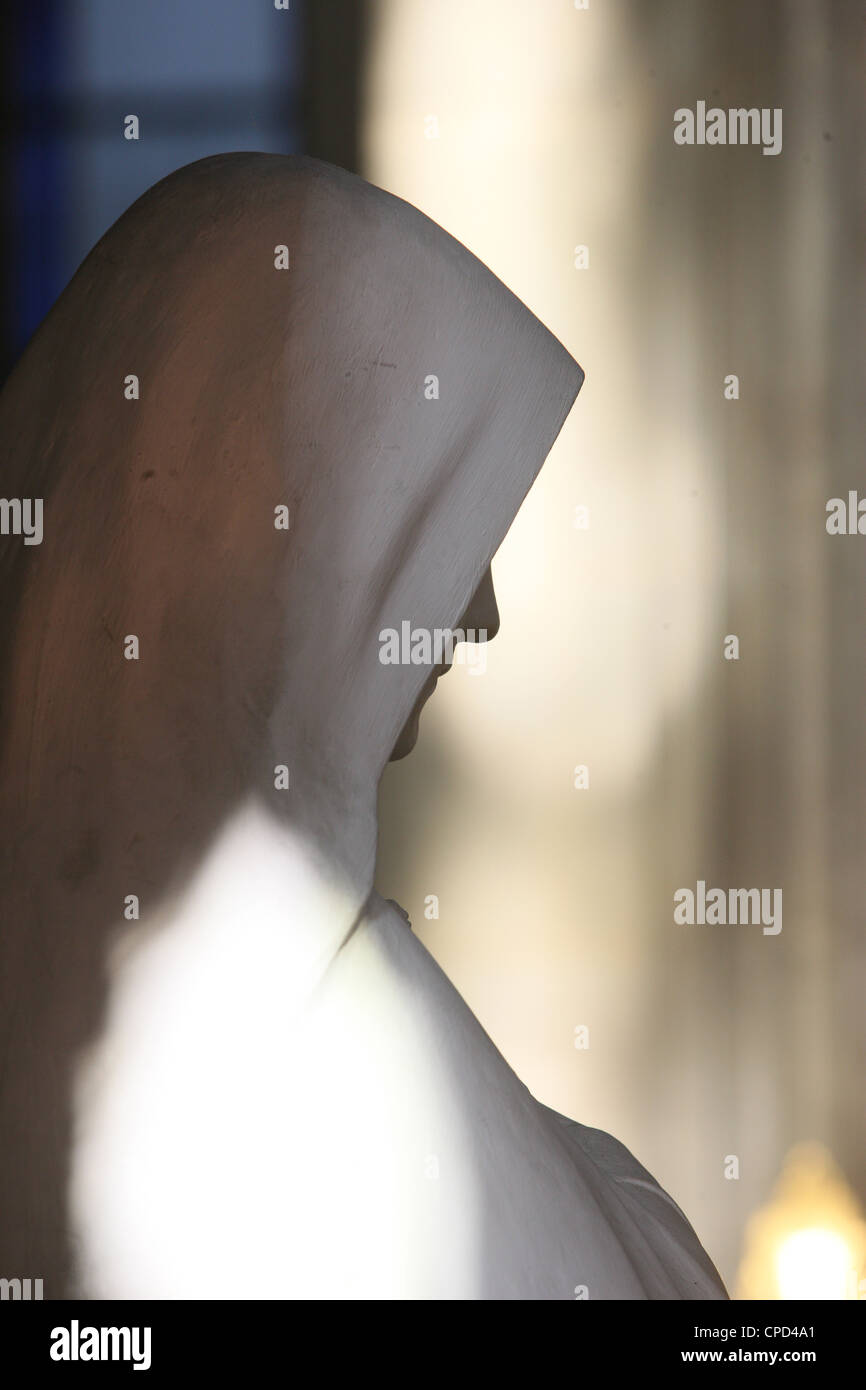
[(227, 1067)]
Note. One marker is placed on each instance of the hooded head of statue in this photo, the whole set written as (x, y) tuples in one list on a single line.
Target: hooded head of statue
[(279, 423)]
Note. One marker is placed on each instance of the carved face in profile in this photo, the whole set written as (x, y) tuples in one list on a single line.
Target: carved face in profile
[(481, 616)]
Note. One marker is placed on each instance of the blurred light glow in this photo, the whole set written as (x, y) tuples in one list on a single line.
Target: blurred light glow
[(809, 1241), (814, 1263)]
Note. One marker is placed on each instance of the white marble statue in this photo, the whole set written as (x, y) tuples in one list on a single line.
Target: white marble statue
[(228, 1069)]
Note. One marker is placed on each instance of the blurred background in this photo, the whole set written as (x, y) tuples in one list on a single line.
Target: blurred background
[(668, 518)]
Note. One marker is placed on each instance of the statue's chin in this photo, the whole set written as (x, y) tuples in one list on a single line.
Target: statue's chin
[(406, 742), (408, 736), (409, 733)]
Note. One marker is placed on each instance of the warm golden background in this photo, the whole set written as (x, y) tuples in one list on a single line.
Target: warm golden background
[(706, 517)]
